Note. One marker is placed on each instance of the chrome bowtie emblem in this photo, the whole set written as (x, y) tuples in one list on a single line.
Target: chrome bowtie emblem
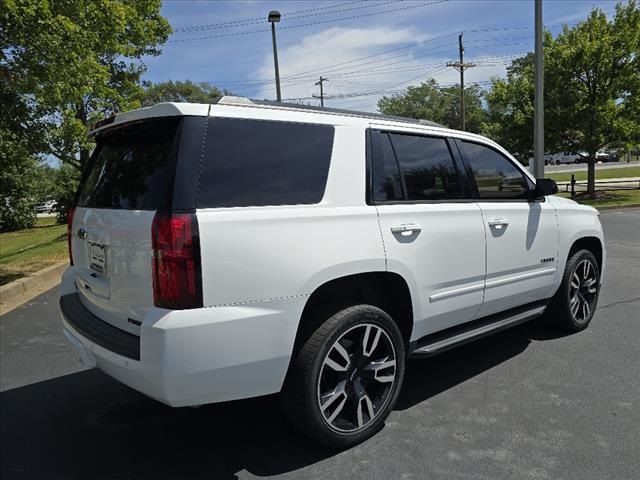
[(82, 234)]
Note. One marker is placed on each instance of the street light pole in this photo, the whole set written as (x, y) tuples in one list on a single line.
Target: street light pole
[(538, 124), (274, 17), (461, 52)]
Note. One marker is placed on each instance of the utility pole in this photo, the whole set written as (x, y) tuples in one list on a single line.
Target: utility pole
[(320, 82), (461, 67), (538, 124)]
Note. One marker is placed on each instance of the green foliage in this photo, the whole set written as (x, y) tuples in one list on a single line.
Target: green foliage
[(180, 91), (429, 101), (67, 63), (509, 119), (66, 180), (592, 90), (19, 188), (474, 112)]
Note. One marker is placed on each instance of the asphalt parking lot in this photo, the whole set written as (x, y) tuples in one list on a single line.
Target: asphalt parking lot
[(526, 403)]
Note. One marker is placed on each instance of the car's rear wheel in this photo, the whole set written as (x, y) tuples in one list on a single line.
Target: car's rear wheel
[(575, 302), (345, 380)]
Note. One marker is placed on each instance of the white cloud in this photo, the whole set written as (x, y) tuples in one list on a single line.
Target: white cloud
[(302, 64)]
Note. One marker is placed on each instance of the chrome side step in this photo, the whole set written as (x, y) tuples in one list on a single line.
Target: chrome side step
[(455, 336)]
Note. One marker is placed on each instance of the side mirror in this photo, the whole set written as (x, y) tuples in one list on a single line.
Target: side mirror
[(544, 187)]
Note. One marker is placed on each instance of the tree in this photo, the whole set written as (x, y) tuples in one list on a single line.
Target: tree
[(69, 63), (593, 86), (509, 119), (474, 112), (431, 102), (592, 90), (180, 91)]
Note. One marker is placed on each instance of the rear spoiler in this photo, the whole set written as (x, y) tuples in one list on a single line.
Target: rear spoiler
[(158, 110)]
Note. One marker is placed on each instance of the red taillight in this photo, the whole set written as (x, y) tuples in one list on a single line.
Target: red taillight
[(70, 232), (177, 281)]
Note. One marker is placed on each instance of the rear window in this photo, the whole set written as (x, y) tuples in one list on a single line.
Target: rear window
[(258, 162), (132, 167)]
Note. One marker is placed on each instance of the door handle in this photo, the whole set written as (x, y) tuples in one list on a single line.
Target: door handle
[(406, 229), (498, 223)]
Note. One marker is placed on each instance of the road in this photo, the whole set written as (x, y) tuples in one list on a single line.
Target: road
[(527, 403)]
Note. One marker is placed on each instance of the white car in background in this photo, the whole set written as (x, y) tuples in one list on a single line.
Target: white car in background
[(568, 157), (548, 159), (245, 248), (46, 207)]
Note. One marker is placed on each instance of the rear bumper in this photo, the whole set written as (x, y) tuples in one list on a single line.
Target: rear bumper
[(193, 357)]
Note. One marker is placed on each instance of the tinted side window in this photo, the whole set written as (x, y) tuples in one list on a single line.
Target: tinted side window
[(427, 167), (496, 176), (387, 185), (257, 162)]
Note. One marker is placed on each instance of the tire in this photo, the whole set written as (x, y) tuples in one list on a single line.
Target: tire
[(577, 160), (341, 385), (558, 162), (563, 311)]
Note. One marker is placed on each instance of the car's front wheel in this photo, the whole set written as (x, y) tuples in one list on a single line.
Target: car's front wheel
[(345, 380), (574, 304)]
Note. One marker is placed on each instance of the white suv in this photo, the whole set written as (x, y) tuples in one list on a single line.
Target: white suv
[(245, 248)]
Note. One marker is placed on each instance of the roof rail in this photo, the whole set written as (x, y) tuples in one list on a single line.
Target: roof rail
[(244, 101)]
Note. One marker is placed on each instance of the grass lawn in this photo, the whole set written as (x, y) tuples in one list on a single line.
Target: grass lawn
[(631, 171), (26, 251), (614, 198), (617, 198)]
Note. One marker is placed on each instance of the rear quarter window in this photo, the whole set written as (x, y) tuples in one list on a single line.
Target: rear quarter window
[(260, 162), (132, 167)]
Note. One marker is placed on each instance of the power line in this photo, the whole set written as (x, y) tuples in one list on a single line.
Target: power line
[(495, 59), (376, 64), (377, 69), (241, 21), (349, 95), (379, 92), (328, 68), (432, 73), (288, 27), (333, 9), (338, 72), (331, 66)]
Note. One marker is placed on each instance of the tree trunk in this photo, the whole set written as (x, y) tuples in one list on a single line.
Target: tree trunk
[(81, 114), (591, 175), (84, 158)]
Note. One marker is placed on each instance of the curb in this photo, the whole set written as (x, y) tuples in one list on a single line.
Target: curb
[(22, 285)]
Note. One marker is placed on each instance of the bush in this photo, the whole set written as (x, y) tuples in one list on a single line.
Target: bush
[(18, 190), (17, 214)]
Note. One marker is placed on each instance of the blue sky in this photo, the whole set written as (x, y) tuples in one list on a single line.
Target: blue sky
[(228, 43)]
